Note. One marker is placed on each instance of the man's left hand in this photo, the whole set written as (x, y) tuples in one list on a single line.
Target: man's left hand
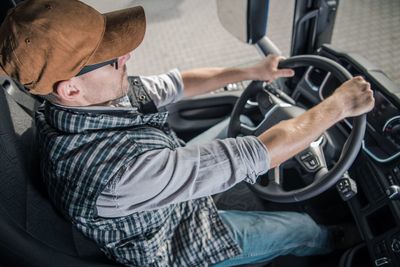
[(267, 70)]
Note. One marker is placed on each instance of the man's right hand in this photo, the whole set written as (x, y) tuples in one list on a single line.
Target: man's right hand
[(354, 97), (287, 138)]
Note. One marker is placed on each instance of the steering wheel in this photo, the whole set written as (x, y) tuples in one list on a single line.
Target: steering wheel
[(312, 159)]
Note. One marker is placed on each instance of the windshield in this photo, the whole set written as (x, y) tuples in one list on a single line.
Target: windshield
[(188, 34), (371, 29), (182, 34)]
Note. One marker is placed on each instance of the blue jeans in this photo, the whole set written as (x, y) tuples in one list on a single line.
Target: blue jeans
[(263, 236)]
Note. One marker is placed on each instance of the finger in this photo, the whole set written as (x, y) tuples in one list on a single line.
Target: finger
[(273, 56), (284, 73), (281, 58), (278, 59), (370, 94), (372, 101), (366, 86), (359, 79)]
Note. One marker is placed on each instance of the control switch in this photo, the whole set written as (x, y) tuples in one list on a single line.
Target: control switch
[(393, 192), (395, 245), (347, 187), (384, 261)]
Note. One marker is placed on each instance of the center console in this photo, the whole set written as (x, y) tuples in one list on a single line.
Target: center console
[(376, 209)]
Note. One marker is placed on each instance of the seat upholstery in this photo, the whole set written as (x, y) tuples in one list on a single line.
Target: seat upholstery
[(31, 230)]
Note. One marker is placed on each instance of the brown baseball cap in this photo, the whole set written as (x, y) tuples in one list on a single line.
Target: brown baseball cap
[(43, 42)]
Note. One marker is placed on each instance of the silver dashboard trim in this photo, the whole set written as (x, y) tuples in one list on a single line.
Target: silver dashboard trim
[(370, 153), (376, 158), (389, 120)]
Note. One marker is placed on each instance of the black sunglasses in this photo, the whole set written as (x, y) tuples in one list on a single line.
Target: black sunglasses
[(88, 68)]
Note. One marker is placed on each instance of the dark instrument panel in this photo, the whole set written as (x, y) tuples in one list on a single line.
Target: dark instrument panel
[(376, 207)]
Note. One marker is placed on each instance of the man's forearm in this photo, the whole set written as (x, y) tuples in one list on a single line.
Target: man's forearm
[(290, 137), (201, 81)]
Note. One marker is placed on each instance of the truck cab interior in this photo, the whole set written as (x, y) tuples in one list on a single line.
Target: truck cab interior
[(350, 175)]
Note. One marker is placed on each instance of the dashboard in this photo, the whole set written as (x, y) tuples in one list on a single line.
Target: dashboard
[(376, 171)]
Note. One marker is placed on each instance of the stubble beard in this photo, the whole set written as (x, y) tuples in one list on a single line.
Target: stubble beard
[(124, 85)]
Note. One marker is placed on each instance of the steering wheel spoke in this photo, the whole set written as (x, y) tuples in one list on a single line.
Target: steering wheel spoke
[(320, 174), (247, 130), (256, 130), (313, 159), (275, 176)]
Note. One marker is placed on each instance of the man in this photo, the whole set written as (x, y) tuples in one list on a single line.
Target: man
[(116, 170)]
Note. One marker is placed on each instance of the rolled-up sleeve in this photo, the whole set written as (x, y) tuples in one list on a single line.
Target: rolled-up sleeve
[(164, 89), (162, 177)]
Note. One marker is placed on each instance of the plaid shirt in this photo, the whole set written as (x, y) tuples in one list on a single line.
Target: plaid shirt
[(84, 151)]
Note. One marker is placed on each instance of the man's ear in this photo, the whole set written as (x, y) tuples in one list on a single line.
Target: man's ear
[(66, 91)]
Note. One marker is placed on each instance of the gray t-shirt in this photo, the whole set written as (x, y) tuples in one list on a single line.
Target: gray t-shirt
[(162, 177)]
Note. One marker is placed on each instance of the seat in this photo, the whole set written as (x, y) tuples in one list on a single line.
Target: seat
[(31, 230)]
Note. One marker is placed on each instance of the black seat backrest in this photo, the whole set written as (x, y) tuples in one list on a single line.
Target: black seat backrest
[(5, 6), (32, 233), (31, 230)]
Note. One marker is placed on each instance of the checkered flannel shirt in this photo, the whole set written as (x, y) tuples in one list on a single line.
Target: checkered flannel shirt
[(84, 151)]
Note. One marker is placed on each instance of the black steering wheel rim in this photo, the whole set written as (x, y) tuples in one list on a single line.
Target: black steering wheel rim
[(349, 151)]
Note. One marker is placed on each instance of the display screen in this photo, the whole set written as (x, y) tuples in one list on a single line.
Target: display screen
[(382, 111)]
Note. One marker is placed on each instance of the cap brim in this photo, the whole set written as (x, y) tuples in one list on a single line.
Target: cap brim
[(2, 72), (123, 33)]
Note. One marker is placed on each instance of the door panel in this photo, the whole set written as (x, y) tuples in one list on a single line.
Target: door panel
[(190, 117)]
